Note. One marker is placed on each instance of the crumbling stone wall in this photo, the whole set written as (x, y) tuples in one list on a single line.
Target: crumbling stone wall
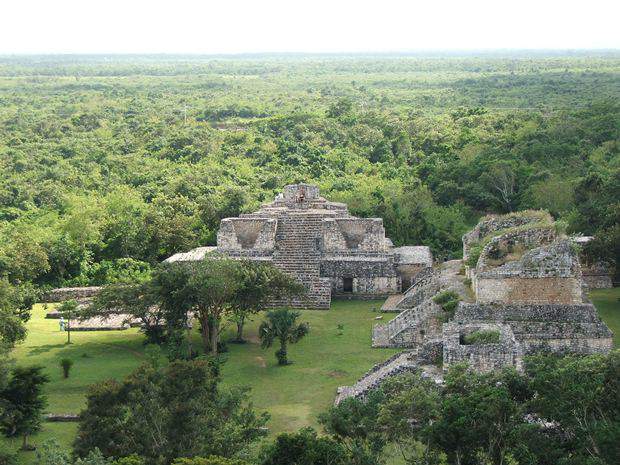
[(481, 357), (246, 234), (354, 234), (574, 328), (550, 273), (498, 223), (70, 293), (597, 276)]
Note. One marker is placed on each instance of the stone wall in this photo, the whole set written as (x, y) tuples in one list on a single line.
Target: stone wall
[(597, 276), (528, 290), (246, 234), (498, 223), (480, 357), (550, 273), (574, 328), (353, 234), (364, 288), (70, 293)]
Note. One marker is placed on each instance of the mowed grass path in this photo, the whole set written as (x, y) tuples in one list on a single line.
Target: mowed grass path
[(293, 395)]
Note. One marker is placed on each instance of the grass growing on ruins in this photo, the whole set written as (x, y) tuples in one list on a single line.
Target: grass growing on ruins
[(294, 395), (607, 302)]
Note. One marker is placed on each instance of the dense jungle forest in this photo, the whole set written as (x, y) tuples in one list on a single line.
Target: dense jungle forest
[(112, 163)]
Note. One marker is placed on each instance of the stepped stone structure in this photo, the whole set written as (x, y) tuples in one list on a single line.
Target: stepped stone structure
[(320, 243), (526, 289)]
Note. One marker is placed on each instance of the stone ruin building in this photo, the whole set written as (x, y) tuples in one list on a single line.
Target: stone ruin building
[(520, 282), (320, 243)]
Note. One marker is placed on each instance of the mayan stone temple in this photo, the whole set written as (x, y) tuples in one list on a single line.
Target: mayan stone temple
[(320, 243), (520, 285)]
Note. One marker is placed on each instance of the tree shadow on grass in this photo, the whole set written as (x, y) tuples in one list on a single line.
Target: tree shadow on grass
[(44, 348)]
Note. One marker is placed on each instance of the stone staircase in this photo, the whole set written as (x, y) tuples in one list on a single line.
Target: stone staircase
[(424, 286), (395, 365), (297, 253), (402, 330)]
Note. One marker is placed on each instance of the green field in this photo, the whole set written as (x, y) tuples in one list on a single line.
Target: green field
[(607, 302), (293, 395)]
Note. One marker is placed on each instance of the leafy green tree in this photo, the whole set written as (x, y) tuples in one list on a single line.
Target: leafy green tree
[(50, 452), (259, 284), (406, 417), (303, 448), (478, 413), (23, 402), (353, 423), (581, 395), (211, 287), (69, 310), (161, 413), (281, 325)]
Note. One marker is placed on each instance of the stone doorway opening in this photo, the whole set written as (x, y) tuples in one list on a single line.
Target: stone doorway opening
[(347, 285)]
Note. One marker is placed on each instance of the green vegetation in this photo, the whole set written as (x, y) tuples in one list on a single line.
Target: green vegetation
[(293, 396), (66, 364), (481, 337), (281, 325), (448, 301), (111, 165), (607, 302)]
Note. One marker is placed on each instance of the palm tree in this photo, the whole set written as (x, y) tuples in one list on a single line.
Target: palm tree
[(282, 325)]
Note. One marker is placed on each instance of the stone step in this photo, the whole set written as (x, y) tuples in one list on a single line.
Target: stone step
[(399, 363)]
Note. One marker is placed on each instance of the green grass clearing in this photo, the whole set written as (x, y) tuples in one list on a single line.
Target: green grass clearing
[(294, 395), (607, 302)]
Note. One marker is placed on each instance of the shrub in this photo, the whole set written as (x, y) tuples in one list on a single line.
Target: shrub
[(132, 459), (481, 337), (210, 460), (66, 364), (447, 300), (52, 453), (7, 455)]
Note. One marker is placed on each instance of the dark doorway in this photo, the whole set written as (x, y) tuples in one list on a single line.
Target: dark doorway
[(347, 284)]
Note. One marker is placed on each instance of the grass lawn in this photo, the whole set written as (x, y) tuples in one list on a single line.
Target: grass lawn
[(607, 302), (294, 395)]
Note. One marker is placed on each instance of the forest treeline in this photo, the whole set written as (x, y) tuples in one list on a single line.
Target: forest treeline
[(111, 165)]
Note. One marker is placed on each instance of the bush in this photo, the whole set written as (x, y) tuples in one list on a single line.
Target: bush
[(52, 453), (66, 364), (481, 337), (7, 455), (447, 300), (210, 460), (132, 459)]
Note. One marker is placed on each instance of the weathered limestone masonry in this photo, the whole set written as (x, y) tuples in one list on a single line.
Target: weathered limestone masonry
[(67, 293), (527, 285), (320, 243), (564, 328), (547, 274), (492, 224), (481, 357)]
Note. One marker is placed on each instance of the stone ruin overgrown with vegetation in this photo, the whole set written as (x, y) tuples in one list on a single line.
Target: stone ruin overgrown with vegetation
[(320, 243), (519, 290)]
